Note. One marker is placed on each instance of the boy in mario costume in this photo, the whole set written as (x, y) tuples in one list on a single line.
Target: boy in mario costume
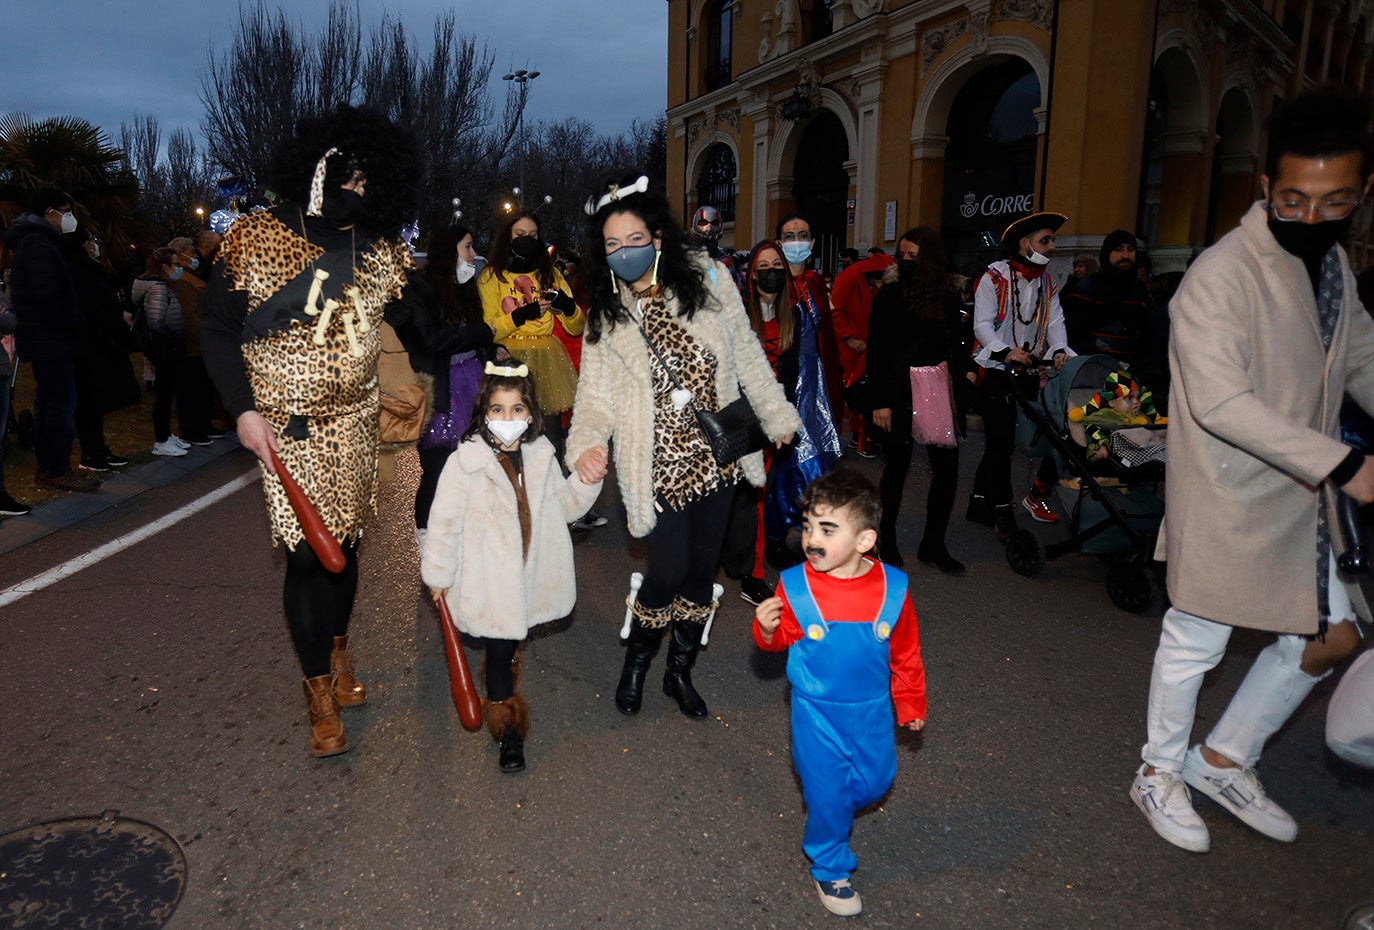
[(854, 652)]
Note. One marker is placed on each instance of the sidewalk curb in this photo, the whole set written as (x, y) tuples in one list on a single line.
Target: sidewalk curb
[(116, 487)]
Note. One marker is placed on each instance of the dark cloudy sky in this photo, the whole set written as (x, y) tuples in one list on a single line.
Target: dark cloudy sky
[(106, 60)]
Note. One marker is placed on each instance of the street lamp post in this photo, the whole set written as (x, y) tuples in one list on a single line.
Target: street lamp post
[(523, 78)]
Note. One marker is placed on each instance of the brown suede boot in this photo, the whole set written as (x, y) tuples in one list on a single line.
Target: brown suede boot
[(509, 721), (348, 690), (327, 737)]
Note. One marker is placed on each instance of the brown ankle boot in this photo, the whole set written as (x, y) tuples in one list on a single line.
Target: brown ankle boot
[(327, 737), (348, 690), (509, 721)]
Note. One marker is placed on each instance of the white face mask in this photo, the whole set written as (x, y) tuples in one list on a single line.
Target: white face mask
[(68, 223), (1035, 258), (507, 432), (464, 271)]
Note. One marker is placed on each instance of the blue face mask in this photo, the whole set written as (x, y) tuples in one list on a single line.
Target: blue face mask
[(796, 253), (176, 273), (195, 263), (630, 262)]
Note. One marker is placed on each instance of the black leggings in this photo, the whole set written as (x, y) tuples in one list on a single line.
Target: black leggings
[(500, 670), (431, 466), (944, 481), (318, 604), (684, 546)]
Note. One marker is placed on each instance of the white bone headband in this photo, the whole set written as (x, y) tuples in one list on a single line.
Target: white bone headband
[(617, 193), (316, 203), (507, 371)]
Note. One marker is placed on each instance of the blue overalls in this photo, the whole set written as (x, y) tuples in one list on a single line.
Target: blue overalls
[(842, 720)]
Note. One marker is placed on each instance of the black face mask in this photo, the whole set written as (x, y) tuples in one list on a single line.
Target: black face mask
[(525, 252), (770, 280), (906, 268), (342, 208), (1309, 241)]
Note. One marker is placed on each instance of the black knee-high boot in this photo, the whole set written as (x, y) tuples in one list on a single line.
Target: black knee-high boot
[(645, 635), (689, 622)]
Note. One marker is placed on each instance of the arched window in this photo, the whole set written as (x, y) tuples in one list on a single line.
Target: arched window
[(716, 183), (718, 20), (990, 160)]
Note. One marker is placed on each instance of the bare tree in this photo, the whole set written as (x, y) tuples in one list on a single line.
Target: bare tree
[(274, 73), (256, 91)]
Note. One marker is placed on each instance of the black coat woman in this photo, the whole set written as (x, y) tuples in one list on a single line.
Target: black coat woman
[(914, 322)]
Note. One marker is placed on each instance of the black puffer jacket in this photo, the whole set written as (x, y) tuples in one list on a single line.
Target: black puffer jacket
[(45, 301)]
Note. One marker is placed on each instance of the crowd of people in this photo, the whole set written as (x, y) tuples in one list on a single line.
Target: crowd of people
[(553, 370), (78, 320)]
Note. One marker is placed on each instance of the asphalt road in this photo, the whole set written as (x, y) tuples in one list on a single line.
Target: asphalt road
[(160, 682)]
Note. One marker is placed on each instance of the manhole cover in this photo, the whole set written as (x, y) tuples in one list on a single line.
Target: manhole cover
[(99, 872)]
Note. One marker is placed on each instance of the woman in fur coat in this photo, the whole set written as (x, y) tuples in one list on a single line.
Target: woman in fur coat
[(646, 287), (498, 549)]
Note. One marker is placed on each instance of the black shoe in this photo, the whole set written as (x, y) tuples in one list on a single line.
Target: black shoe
[(96, 464), (1004, 522), (216, 434), (677, 676), (980, 511), (512, 751), (199, 440), (639, 652), (115, 461), (755, 590), (941, 559), (589, 521), (9, 507)]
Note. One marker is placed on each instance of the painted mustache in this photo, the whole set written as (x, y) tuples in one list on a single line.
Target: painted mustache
[(817, 552)]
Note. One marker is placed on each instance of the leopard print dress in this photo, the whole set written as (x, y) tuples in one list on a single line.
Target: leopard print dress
[(684, 468), (314, 375)]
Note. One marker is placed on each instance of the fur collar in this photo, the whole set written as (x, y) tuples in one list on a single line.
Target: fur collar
[(476, 455)]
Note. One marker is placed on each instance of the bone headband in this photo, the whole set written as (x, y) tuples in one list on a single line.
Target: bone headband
[(507, 371), (617, 193), (317, 184)]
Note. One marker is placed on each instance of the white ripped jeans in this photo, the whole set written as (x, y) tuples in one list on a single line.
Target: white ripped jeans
[(1189, 648)]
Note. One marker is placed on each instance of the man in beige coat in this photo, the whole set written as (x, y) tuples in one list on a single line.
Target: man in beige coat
[(1267, 334)]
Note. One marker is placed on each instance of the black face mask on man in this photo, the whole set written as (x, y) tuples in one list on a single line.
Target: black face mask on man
[(342, 208), (1309, 241)]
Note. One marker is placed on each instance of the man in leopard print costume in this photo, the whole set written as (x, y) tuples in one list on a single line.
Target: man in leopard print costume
[(291, 340)]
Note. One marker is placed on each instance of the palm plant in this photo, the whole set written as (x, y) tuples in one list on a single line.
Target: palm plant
[(70, 153)]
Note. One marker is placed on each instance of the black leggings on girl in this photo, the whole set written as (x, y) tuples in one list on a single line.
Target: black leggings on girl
[(500, 671), (318, 604), (684, 546)]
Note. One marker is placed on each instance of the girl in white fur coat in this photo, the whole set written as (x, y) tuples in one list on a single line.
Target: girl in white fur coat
[(498, 549)]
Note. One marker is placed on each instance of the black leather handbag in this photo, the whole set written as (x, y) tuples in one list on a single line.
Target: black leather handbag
[(732, 432)]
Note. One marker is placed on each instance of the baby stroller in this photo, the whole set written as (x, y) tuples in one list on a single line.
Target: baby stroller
[(1113, 504)]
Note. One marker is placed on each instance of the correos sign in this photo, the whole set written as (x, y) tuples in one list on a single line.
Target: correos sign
[(995, 204)]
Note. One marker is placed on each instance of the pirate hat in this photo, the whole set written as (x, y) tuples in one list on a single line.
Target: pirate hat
[(1011, 236)]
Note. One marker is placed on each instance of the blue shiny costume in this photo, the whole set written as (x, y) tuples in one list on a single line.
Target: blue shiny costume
[(842, 719)]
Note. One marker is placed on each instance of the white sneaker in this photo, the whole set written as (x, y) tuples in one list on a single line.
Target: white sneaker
[(839, 898), (1163, 799), (167, 447), (1240, 792), (178, 441)]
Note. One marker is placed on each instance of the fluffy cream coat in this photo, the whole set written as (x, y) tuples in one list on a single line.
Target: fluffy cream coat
[(473, 545), (615, 398), (1254, 427)]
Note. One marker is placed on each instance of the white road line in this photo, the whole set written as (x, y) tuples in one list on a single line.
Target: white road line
[(67, 569)]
